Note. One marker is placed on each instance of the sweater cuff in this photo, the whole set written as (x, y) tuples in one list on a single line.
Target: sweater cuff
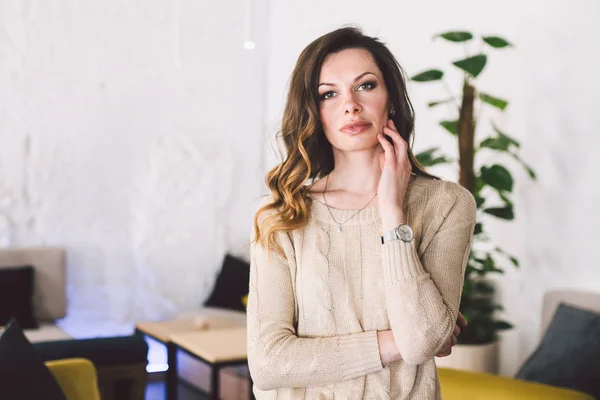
[(359, 354), (401, 261)]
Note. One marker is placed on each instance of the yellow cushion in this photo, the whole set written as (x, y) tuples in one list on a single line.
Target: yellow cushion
[(76, 377), (467, 385)]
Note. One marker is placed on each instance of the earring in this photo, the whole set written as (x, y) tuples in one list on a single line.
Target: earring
[(392, 112)]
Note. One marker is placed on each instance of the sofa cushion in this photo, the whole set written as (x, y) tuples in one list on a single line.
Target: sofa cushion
[(23, 374), (569, 353), (231, 285), (49, 295), (16, 296)]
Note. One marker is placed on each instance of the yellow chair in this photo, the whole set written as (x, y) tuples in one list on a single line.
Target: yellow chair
[(467, 385), (76, 377)]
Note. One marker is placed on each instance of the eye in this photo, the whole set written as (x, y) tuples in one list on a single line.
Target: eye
[(367, 86), (327, 95)]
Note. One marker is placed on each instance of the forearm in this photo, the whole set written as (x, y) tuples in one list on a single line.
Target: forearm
[(423, 304), (420, 319), (280, 359)]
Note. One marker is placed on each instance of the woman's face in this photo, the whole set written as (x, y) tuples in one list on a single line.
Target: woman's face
[(353, 100)]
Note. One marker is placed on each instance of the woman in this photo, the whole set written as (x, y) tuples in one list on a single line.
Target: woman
[(358, 254)]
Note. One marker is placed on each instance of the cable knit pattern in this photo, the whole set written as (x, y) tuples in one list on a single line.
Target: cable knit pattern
[(314, 312)]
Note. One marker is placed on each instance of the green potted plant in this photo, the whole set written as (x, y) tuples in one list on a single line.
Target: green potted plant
[(492, 187)]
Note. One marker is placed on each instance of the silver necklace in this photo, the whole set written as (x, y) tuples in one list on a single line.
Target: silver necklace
[(339, 224)]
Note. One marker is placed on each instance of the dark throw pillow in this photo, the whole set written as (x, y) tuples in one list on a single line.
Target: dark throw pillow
[(569, 353), (16, 296), (23, 374), (231, 285)]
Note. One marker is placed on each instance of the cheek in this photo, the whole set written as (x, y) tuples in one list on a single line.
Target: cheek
[(379, 106), (326, 117)]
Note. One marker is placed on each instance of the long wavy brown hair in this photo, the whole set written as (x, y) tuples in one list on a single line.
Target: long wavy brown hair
[(308, 155)]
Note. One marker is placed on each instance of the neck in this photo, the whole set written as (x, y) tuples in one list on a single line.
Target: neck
[(357, 173)]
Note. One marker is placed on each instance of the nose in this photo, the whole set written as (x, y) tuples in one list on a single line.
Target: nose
[(351, 105)]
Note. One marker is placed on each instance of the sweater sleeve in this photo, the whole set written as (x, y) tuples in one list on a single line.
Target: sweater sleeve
[(277, 357), (423, 295)]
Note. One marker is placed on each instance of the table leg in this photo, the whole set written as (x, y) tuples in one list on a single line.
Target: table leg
[(215, 386), (171, 386)]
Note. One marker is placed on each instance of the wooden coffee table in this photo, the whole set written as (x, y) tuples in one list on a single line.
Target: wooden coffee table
[(217, 348), (164, 331)]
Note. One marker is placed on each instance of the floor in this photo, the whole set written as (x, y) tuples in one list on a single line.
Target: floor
[(155, 390)]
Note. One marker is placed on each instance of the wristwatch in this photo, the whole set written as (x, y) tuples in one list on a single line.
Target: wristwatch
[(402, 232)]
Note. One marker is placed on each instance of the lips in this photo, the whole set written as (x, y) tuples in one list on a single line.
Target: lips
[(355, 127)]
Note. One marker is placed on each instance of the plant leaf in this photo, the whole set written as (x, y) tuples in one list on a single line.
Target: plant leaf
[(451, 126), (496, 42), (489, 265), (473, 65), (479, 200), (504, 136), (511, 258), (427, 158), (494, 101), (483, 287), (478, 228), (501, 212), (530, 171), (456, 36), (435, 103), (502, 325), (495, 143), (428, 76), (497, 177)]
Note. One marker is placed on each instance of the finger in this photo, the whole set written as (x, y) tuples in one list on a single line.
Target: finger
[(454, 340), (444, 351), (395, 134), (461, 321), (390, 157), (400, 145), (456, 331)]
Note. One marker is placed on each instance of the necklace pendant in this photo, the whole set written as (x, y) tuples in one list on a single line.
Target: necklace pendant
[(339, 228)]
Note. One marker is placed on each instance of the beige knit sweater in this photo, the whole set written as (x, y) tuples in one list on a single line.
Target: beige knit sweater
[(313, 315)]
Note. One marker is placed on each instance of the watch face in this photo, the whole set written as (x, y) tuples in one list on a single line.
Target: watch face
[(406, 233)]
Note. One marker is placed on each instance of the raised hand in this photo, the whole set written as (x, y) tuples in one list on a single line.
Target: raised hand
[(395, 176)]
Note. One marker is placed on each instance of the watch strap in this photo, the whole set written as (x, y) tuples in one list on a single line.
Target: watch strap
[(391, 235)]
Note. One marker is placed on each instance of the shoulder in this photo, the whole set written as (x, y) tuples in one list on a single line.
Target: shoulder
[(449, 198), (263, 211), (265, 200)]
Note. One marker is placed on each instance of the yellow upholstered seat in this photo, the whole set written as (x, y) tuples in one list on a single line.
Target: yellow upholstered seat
[(467, 385), (76, 377)]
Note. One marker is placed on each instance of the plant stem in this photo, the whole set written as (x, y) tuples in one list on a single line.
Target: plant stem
[(466, 134)]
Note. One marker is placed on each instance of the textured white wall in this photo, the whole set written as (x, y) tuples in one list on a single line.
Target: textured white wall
[(551, 81), (130, 133)]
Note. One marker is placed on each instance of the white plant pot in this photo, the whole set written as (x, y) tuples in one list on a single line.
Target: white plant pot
[(472, 357)]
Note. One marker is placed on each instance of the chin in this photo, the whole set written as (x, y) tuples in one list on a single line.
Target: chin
[(357, 143)]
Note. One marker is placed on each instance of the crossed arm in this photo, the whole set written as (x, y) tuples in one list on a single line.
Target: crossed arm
[(279, 358)]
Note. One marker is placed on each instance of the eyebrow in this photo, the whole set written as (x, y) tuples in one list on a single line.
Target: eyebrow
[(355, 79)]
